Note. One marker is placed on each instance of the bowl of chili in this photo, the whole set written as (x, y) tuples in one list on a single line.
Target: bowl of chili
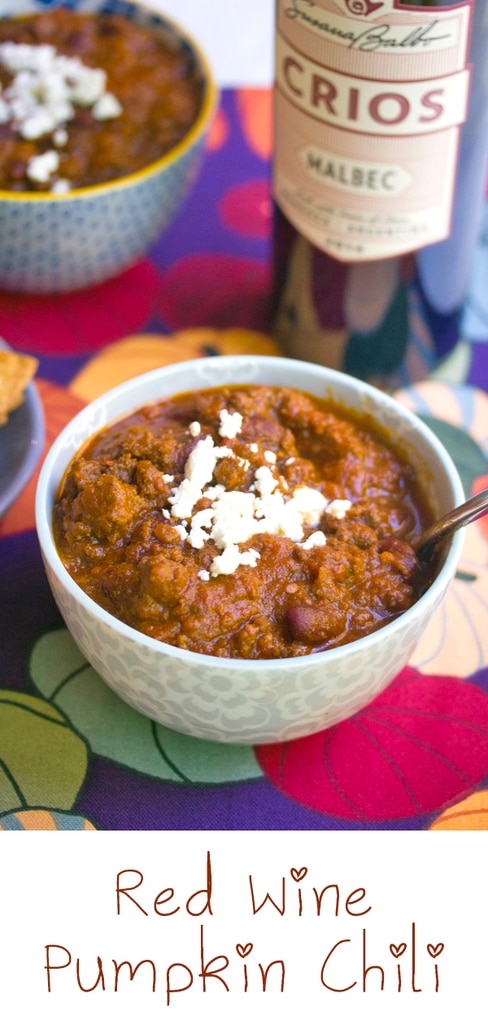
[(296, 621), (104, 113)]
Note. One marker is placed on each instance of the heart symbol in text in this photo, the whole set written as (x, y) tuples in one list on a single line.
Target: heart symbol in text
[(244, 950), (298, 873), (435, 950), (398, 950)]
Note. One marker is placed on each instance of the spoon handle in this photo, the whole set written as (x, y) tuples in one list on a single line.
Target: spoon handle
[(472, 509)]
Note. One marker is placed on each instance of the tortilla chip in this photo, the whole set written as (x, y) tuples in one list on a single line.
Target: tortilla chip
[(16, 372)]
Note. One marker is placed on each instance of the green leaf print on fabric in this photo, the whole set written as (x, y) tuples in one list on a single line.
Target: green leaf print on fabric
[(454, 369), (43, 761), (466, 453), (119, 733)]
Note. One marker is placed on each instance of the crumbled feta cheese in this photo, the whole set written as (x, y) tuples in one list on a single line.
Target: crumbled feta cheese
[(204, 575), (39, 123), (88, 84), (226, 563), (106, 107), (60, 186), (338, 507), (201, 522), (201, 463), (195, 428), (202, 518), (250, 557), (198, 537), (199, 469), (40, 168), (254, 447), (23, 57), (230, 560), (213, 492), (168, 478), (317, 539), (41, 97), (234, 517), (60, 137), (309, 503), (265, 481), (230, 423), (233, 520)]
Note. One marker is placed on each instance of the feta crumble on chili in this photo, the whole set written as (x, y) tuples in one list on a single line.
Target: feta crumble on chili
[(233, 516), (40, 100)]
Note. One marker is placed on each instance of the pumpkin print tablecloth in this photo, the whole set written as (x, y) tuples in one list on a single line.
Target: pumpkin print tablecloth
[(72, 755)]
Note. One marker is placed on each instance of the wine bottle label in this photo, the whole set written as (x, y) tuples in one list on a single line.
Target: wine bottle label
[(370, 98)]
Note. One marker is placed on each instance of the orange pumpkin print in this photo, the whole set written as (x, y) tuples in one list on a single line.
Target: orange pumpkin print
[(255, 109), (219, 132), (128, 358), (470, 815), (480, 484), (236, 341), (140, 353)]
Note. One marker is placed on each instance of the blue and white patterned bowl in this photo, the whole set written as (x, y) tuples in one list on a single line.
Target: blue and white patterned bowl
[(57, 243), (234, 700)]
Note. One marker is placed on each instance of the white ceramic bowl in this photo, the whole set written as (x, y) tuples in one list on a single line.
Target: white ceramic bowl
[(239, 701), (57, 243)]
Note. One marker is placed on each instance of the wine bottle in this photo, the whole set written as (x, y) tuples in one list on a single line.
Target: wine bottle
[(379, 169)]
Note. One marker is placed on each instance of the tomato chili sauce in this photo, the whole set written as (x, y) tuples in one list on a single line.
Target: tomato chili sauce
[(142, 99), (244, 522)]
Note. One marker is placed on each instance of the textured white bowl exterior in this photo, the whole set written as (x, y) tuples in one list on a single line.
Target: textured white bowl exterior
[(64, 242), (238, 701)]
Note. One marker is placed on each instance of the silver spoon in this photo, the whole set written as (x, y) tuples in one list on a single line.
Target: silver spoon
[(466, 513)]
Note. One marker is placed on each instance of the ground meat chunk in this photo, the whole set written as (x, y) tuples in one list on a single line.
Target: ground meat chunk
[(231, 473), (165, 580), (108, 507), (151, 483)]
